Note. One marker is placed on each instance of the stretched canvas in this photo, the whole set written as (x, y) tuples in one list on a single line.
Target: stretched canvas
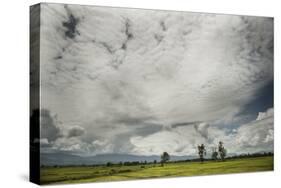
[(124, 94)]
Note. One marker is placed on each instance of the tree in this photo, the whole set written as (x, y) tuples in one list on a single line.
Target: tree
[(222, 151), (201, 152), (108, 164), (215, 154), (164, 158)]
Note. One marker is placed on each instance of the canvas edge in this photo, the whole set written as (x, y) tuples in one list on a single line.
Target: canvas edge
[(34, 95)]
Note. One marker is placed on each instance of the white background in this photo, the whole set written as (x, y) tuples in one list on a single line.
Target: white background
[(14, 93)]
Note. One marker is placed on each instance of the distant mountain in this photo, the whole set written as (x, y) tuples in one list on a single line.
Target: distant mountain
[(61, 159), (69, 159)]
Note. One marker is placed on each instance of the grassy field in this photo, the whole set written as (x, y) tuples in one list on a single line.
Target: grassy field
[(51, 175)]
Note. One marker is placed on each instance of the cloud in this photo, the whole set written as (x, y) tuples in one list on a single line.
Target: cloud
[(129, 76), (266, 114), (174, 125), (44, 142), (181, 140), (257, 134), (48, 127), (76, 131), (102, 146), (202, 129), (147, 130), (72, 145), (167, 79)]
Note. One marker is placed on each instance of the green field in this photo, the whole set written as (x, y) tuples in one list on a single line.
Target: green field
[(51, 175)]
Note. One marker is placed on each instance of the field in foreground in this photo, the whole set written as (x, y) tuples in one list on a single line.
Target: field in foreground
[(51, 175)]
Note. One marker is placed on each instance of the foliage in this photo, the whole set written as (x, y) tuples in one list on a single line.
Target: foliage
[(222, 151), (201, 152), (164, 158)]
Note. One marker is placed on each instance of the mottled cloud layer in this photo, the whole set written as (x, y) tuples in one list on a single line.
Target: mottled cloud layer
[(144, 81)]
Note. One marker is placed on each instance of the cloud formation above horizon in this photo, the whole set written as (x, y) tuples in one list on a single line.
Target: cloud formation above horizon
[(143, 81)]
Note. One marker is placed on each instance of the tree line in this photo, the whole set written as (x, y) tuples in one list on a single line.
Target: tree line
[(218, 154)]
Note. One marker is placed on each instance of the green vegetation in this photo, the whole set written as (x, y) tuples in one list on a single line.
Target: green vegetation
[(55, 175), (164, 158)]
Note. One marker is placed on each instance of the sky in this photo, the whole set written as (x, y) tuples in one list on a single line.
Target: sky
[(133, 81)]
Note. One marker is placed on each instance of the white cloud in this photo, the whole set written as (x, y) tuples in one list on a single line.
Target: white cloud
[(266, 114), (202, 128), (182, 140), (44, 142), (255, 136), (72, 144), (258, 134), (102, 146), (76, 131)]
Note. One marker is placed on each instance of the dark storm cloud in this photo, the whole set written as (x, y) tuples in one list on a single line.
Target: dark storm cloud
[(175, 125), (262, 101), (148, 129), (49, 129)]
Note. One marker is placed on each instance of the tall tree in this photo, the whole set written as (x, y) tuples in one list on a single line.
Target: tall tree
[(201, 152), (222, 151), (164, 158)]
